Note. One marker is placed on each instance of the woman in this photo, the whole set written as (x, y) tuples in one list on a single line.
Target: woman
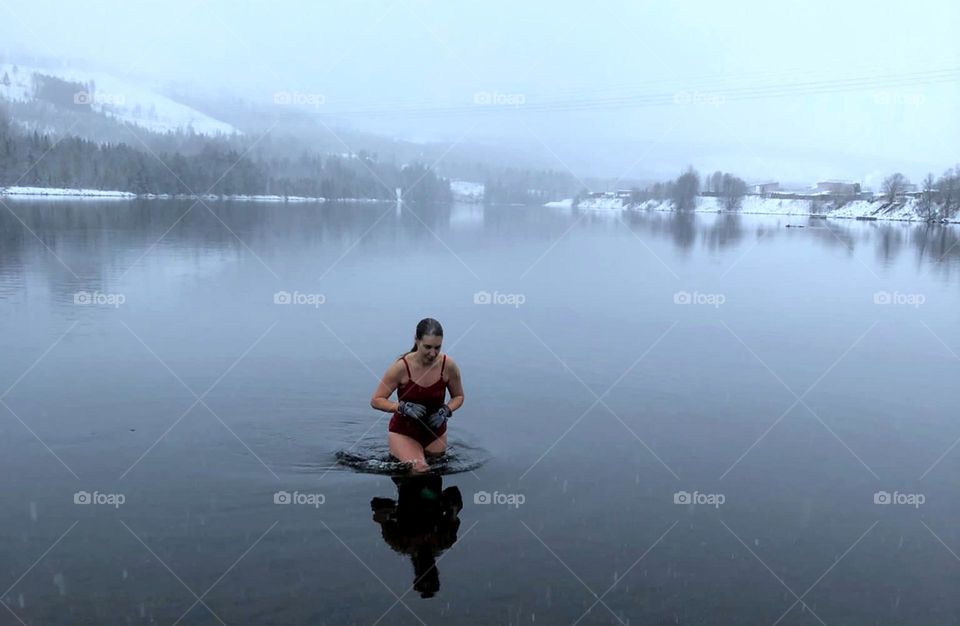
[(418, 428)]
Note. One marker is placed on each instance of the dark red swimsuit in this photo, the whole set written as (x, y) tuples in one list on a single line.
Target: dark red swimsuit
[(431, 397)]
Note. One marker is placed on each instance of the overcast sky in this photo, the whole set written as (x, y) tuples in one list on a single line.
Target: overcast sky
[(673, 62)]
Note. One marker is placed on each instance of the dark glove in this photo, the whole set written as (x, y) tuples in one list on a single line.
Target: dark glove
[(436, 420), (411, 409)]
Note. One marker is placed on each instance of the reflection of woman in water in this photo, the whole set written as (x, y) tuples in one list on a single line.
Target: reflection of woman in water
[(418, 428), (421, 523)]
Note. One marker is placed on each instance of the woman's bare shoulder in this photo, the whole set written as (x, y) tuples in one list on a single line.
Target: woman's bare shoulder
[(451, 365), (396, 370)]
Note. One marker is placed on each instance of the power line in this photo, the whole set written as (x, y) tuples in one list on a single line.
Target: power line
[(671, 83), (512, 103)]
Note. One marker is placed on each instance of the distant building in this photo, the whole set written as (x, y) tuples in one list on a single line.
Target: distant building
[(766, 187), (839, 187)]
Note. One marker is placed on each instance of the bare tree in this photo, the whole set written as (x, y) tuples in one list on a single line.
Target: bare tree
[(685, 190), (927, 208), (894, 185), (583, 193), (716, 181), (948, 188), (732, 190)]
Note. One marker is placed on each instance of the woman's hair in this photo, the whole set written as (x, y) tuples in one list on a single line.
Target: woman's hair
[(426, 326)]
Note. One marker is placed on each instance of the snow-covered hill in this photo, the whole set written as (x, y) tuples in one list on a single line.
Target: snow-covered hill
[(120, 99)]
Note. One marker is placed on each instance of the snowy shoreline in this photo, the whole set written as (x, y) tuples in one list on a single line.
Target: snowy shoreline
[(903, 210), (62, 193)]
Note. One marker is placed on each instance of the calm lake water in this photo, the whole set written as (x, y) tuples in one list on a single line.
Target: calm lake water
[(677, 419)]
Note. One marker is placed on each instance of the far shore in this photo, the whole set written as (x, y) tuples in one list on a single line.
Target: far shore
[(901, 210), (56, 193)]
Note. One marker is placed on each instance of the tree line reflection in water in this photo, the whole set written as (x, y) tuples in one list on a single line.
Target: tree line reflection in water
[(96, 240), (937, 244)]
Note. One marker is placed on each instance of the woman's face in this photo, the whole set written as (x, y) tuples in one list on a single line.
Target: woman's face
[(429, 347)]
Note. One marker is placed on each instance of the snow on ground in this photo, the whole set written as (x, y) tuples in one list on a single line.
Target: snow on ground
[(466, 191), (904, 209), (760, 205), (54, 193), (560, 204), (601, 204), (269, 198), (60, 192), (117, 98)]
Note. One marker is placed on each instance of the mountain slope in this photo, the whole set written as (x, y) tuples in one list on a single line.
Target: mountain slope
[(122, 100)]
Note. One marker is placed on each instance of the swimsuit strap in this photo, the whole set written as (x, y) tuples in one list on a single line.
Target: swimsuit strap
[(442, 364), (405, 364)]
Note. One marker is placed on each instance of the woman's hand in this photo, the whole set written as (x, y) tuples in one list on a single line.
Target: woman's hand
[(411, 409), (436, 420)]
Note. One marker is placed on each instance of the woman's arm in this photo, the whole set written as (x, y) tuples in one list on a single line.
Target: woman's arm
[(388, 384), (455, 385)]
